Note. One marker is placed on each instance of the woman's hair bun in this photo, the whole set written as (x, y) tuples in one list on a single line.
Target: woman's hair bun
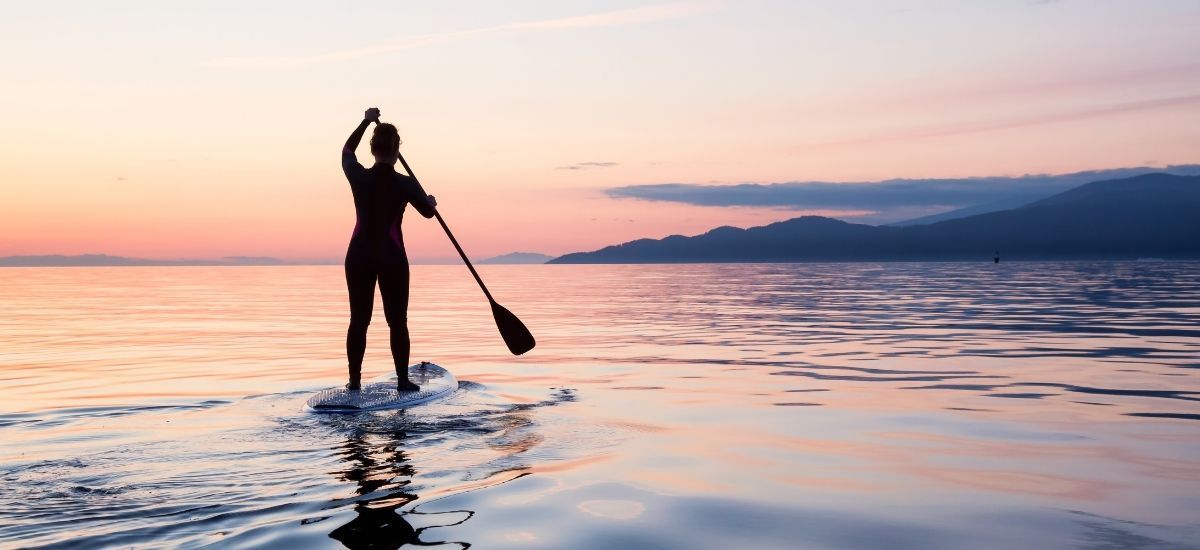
[(385, 140)]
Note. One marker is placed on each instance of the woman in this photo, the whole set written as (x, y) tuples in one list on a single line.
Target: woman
[(376, 251)]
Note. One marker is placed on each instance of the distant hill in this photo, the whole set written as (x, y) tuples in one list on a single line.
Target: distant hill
[(1048, 185), (518, 258), (84, 260), (54, 260), (969, 211), (1150, 215)]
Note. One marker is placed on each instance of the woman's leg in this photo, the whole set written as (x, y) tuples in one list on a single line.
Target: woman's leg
[(393, 287), (360, 282)]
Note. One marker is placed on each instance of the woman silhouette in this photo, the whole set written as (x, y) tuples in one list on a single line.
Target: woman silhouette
[(376, 251)]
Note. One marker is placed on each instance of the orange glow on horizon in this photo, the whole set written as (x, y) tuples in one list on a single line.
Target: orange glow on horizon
[(222, 138)]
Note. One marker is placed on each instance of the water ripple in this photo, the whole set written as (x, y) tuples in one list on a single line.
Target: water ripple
[(760, 405)]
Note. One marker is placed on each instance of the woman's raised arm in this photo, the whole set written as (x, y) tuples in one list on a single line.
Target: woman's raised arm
[(372, 115)]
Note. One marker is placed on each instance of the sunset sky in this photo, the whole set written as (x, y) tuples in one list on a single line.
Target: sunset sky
[(208, 129)]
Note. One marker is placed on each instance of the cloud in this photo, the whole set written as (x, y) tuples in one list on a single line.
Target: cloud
[(881, 201), (586, 165), (628, 16), (1015, 122)]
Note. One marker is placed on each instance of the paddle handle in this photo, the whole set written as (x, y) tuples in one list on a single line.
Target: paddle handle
[(453, 241)]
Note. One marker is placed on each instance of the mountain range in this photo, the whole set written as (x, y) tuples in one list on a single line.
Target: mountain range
[(1151, 215)]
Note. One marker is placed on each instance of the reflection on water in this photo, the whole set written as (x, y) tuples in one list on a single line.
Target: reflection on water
[(376, 460), (376, 518), (767, 406)]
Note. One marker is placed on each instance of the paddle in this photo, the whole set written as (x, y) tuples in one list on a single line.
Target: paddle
[(518, 338)]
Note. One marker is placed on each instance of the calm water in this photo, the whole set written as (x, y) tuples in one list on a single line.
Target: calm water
[(699, 406)]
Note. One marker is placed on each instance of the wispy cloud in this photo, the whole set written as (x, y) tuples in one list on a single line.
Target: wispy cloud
[(629, 16), (888, 200), (586, 165), (1015, 122)]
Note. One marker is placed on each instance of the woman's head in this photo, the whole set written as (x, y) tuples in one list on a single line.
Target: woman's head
[(385, 143)]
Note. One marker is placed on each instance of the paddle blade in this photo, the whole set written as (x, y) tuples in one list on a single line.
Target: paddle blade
[(516, 336)]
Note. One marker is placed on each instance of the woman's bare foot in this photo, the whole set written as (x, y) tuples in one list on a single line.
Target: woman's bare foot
[(352, 386), (406, 385)]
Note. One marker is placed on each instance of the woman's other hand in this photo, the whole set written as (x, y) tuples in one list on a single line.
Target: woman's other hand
[(432, 201), (372, 115)]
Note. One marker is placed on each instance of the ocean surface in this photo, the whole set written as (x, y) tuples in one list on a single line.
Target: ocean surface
[(908, 405)]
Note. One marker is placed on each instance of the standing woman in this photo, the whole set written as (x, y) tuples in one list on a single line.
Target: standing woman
[(376, 251)]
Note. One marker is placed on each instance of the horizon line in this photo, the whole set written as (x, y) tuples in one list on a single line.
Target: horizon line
[(233, 261)]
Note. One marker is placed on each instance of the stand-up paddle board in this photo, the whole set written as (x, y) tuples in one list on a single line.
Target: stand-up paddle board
[(435, 383)]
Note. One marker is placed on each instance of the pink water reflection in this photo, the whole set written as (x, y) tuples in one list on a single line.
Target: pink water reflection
[(902, 394)]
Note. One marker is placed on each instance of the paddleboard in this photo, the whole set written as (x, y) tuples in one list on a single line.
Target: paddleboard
[(435, 383)]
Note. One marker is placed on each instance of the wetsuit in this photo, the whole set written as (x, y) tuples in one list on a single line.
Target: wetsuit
[(376, 252)]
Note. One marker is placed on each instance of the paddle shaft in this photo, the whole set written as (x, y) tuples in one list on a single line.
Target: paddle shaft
[(453, 241)]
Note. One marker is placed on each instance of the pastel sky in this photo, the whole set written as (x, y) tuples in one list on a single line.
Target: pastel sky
[(205, 129)]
